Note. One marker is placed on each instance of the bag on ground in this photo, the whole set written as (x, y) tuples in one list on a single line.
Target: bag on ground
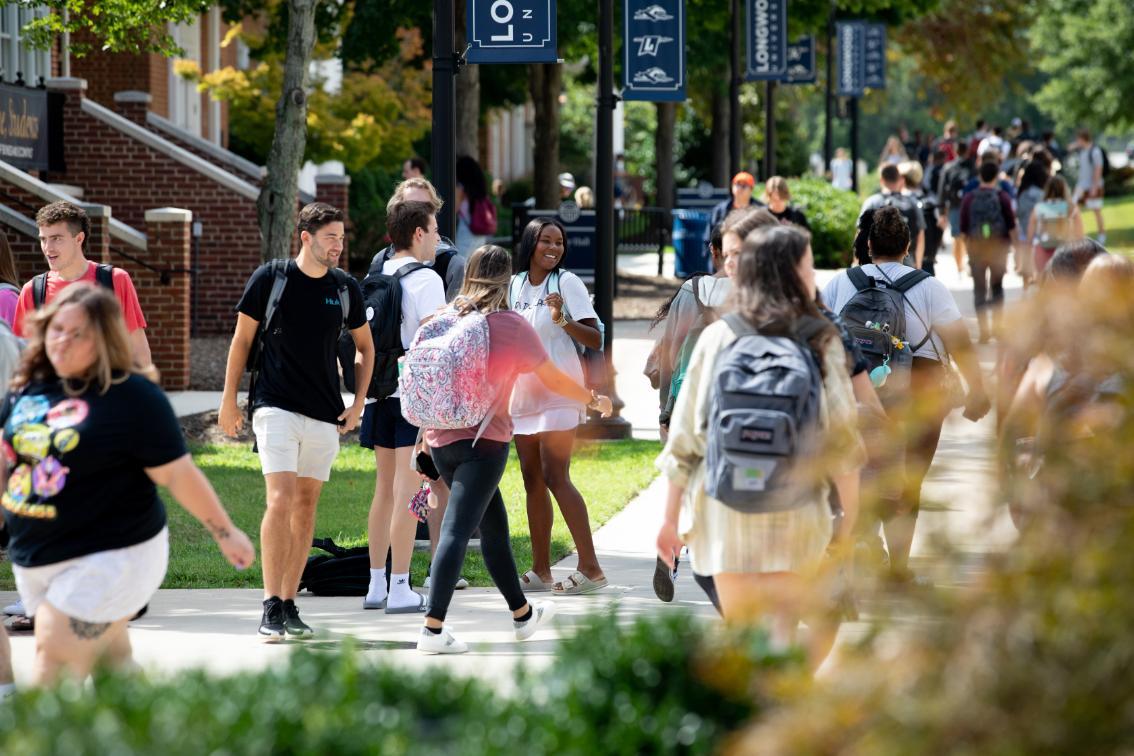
[(764, 419), (339, 572)]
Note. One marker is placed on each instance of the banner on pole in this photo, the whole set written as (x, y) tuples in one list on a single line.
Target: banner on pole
[(801, 61), (511, 31), (849, 50), (653, 50), (766, 25), (874, 56)]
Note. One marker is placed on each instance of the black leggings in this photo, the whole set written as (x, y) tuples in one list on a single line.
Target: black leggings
[(473, 476)]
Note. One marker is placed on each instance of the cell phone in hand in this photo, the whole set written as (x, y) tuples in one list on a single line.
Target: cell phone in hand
[(424, 465)]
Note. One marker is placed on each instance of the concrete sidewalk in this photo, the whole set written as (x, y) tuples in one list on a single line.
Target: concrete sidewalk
[(216, 629)]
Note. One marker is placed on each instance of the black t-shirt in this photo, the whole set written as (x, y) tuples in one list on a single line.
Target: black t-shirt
[(299, 372), (791, 214), (76, 468)]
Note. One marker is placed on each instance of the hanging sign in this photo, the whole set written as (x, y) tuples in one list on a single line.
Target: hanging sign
[(801, 61), (874, 56), (766, 25), (849, 36), (653, 50), (511, 31)]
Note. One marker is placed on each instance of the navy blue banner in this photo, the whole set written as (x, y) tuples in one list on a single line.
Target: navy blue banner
[(653, 50), (766, 25), (874, 56), (511, 31), (849, 51), (801, 61)]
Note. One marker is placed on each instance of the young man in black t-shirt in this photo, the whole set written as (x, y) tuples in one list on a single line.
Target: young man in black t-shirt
[(298, 410)]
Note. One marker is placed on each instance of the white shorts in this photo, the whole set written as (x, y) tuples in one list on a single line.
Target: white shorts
[(554, 419), (102, 587), (290, 442)]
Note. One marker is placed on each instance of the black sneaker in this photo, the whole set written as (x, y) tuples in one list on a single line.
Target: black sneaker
[(272, 623), (663, 580), (292, 623)]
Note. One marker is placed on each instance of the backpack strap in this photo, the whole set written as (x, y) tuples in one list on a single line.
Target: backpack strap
[(515, 287), (104, 274), (695, 284), (859, 278), (928, 328), (341, 277), (740, 325), (909, 280), (405, 270), (39, 290), (279, 281)]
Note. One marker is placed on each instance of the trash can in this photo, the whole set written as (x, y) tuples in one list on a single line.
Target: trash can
[(691, 253)]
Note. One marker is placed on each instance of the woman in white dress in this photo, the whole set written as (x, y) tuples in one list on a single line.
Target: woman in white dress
[(557, 305)]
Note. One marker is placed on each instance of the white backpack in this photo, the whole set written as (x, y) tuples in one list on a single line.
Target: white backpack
[(444, 375)]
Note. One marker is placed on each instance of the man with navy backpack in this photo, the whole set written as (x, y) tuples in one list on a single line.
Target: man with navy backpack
[(288, 323), (987, 221)]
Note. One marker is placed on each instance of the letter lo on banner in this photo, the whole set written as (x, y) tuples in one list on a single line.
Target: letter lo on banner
[(511, 31)]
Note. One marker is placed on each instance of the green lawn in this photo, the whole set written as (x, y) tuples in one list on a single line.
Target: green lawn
[(608, 474), (1118, 218)]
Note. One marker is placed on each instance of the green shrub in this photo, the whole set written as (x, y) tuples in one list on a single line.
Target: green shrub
[(832, 214), (649, 687)]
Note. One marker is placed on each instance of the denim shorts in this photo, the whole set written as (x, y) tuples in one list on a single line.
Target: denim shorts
[(384, 427)]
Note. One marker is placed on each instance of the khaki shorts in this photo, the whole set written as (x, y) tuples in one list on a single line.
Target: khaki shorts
[(290, 442)]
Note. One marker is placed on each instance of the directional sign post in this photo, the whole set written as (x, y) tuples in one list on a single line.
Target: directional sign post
[(767, 40), (874, 56), (801, 61), (653, 50), (511, 31)]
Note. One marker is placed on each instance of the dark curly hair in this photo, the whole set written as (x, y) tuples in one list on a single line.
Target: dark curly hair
[(889, 234)]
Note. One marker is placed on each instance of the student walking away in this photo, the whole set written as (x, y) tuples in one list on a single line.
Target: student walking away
[(401, 295), (755, 516), (287, 331), (1029, 193), (63, 230), (777, 197), (90, 440), (448, 263), (742, 186), (9, 282), (890, 195), (957, 174), (1055, 221), (1093, 167), (987, 221), (556, 304), (699, 302), (926, 203), (476, 215), (916, 382), (456, 380)]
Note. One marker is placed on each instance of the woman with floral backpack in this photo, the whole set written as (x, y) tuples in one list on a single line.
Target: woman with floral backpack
[(471, 459)]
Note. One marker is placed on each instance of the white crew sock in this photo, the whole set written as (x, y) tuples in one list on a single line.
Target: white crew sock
[(377, 590), (400, 592)]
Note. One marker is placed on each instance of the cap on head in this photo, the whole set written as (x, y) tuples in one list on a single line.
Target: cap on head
[(744, 178), (567, 181)]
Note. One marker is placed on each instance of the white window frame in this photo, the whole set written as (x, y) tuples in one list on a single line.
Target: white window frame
[(17, 57)]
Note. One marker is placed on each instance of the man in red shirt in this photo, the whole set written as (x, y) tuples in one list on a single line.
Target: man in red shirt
[(63, 228)]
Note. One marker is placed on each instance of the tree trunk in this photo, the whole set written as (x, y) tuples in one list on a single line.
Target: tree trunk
[(276, 204), (544, 84), (663, 153), (719, 137), (468, 96)]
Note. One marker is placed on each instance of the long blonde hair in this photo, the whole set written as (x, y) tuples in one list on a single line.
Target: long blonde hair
[(114, 359), (488, 274)]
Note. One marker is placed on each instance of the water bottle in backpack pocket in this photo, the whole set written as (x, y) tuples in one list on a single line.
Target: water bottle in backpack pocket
[(764, 419), (986, 216)]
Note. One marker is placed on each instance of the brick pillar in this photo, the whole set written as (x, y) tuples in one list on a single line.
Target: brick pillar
[(166, 304), (133, 105), (335, 191), (75, 140), (97, 247)]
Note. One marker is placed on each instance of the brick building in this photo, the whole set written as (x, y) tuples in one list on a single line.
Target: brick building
[(145, 153)]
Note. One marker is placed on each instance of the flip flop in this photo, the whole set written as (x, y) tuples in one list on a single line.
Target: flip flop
[(373, 604), (578, 584), (411, 609), (531, 583)]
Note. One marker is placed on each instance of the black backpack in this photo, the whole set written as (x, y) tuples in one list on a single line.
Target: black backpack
[(341, 572), (104, 275), (445, 253), (986, 216), (382, 301), (958, 176)]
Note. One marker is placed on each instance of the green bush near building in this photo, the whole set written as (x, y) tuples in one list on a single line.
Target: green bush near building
[(832, 214)]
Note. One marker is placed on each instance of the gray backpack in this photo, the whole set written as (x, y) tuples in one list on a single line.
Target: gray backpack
[(764, 418)]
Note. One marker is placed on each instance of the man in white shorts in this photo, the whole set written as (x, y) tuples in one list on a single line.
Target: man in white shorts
[(298, 410), (1089, 185)]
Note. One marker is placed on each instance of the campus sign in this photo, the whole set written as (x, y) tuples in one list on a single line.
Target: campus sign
[(849, 54), (766, 25), (511, 31), (653, 50), (874, 56), (801, 61), (24, 141)]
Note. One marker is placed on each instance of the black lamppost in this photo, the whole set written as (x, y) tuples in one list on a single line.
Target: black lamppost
[(444, 159)]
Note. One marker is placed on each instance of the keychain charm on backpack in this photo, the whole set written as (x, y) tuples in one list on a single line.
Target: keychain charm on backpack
[(879, 374)]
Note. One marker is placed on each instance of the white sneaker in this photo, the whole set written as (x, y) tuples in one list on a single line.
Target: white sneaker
[(443, 643), (460, 586), (542, 612), (15, 609)]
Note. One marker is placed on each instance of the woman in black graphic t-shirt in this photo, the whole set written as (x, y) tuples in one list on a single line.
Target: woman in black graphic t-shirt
[(85, 442)]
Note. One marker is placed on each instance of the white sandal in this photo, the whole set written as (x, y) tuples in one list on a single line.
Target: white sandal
[(578, 584), (532, 583)]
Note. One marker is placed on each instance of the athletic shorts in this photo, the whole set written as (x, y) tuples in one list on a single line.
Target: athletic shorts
[(955, 221), (290, 442), (384, 427), (105, 586)]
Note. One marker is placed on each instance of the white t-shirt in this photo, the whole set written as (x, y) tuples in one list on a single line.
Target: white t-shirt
[(929, 299), (841, 173), (422, 295), (530, 396)]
